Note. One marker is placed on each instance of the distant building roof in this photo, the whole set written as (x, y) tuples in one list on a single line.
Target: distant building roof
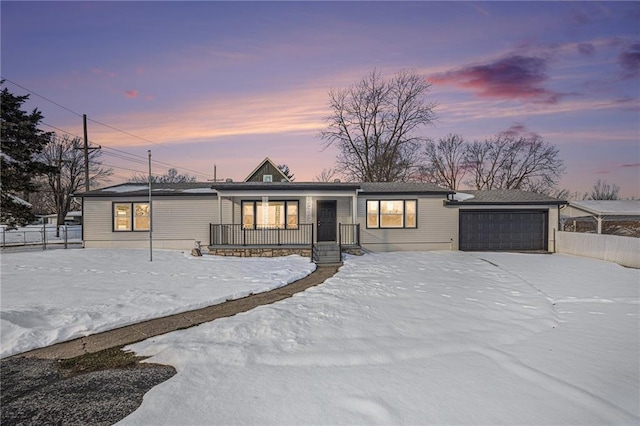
[(19, 200), (267, 167), (608, 207)]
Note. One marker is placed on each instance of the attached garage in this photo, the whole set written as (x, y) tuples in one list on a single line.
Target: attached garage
[(507, 220), (503, 229)]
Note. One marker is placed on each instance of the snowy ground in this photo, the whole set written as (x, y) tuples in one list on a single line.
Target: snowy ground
[(393, 338), (417, 338), (56, 295)]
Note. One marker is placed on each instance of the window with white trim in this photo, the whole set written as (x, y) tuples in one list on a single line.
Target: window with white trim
[(271, 214), (392, 213), (129, 217)]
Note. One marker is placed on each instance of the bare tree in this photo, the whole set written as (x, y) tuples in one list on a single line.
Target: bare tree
[(445, 162), (326, 175), (508, 162), (603, 191), (375, 123), (172, 176), (57, 188)]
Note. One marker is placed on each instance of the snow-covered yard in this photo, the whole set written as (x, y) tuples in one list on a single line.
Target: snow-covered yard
[(393, 338), (52, 296), (417, 338)]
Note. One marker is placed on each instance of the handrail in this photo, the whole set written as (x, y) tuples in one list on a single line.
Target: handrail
[(349, 234), (302, 235), (238, 235)]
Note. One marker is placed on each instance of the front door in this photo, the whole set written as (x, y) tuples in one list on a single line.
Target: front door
[(326, 220)]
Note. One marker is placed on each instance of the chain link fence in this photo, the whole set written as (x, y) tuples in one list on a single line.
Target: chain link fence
[(41, 235)]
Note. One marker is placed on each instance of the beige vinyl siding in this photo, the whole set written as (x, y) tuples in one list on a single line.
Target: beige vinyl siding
[(437, 226), (177, 223)]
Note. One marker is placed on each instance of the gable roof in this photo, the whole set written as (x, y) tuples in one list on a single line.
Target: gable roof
[(266, 167), (505, 197)]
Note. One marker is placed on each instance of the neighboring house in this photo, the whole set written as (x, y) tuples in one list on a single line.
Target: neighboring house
[(616, 217), (72, 218), (268, 215)]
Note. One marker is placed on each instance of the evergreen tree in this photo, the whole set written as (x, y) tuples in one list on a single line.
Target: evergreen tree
[(21, 142), (286, 171)]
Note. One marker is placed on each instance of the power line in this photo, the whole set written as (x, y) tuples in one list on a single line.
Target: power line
[(40, 96), (112, 128), (131, 134)]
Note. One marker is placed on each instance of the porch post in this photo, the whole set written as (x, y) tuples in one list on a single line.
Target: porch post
[(219, 217), (354, 215)]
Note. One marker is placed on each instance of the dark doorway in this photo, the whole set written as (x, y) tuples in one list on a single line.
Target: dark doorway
[(326, 220)]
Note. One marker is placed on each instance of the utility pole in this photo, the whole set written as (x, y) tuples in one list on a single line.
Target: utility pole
[(86, 152), (150, 213)]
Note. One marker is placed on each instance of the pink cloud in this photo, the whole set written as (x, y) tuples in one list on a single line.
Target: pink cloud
[(131, 94), (512, 77), (520, 130), (586, 49), (631, 165)]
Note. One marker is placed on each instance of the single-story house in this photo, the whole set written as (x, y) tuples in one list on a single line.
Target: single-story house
[(72, 218), (267, 214), (616, 217)]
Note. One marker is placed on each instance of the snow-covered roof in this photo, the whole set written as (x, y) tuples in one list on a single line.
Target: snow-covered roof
[(137, 189), (69, 214), (19, 200), (127, 188), (503, 196), (609, 207)]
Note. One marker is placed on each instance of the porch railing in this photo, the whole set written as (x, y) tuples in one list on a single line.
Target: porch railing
[(236, 235), (349, 235)]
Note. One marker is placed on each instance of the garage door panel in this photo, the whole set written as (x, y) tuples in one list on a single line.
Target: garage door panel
[(503, 230)]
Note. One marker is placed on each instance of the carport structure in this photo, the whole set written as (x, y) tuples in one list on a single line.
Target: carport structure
[(618, 217)]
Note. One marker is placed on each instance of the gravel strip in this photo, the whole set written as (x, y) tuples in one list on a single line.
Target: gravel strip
[(36, 392)]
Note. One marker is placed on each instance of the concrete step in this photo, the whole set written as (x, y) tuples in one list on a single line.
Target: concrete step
[(327, 253)]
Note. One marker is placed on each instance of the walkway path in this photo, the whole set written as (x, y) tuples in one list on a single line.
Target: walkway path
[(144, 330), (35, 390)]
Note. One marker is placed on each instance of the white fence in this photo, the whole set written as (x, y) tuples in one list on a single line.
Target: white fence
[(34, 235), (613, 248)]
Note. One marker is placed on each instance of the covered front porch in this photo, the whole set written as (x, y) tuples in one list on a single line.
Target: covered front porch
[(237, 240), (276, 219)]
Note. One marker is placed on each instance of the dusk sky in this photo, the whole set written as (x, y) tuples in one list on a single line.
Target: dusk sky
[(229, 83)]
